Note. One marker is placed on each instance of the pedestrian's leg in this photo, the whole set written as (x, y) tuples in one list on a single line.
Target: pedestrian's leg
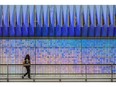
[(25, 73), (28, 72)]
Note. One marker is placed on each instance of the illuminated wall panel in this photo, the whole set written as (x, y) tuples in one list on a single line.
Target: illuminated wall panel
[(59, 51)]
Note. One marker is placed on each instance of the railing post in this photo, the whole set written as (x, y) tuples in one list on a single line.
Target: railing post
[(7, 73), (111, 72), (35, 73), (86, 72), (35, 59), (60, 73)]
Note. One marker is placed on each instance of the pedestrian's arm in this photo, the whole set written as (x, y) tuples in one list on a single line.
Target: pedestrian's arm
[(23, 63), (27, 64)]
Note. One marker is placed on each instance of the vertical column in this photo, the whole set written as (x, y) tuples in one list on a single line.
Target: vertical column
[(39, 21), (104, 21), (71, 25), (65, 21), (31, 21), (25, 20), (85, 21), (91, 20), (98, 21), (115, 20), (45, 15), (12, 21), (78, 21), (1, 21), (5, 21), (51, 21), (58, 21), (18, 21), (111, 21)]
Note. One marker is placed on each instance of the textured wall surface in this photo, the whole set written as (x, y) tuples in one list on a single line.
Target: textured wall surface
[(60, 51), (57, 21)]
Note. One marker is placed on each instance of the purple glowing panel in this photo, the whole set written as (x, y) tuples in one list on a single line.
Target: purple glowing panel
[(58, 43), (99, 69), (60, 51), (0, 43), (32, 53), (96, 56), (11, 58), (21, 43), (18, 55), (58, 55)]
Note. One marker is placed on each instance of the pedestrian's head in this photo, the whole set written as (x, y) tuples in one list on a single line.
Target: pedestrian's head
[(27, 57)]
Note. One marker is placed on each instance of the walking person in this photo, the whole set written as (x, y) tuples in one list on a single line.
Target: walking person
[(26, 64)]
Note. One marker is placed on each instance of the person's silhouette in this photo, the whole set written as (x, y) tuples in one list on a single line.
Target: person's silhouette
[(26, 64)]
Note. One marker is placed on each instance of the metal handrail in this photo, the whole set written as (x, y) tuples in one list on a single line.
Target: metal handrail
[(60, 74), (61, 64)]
